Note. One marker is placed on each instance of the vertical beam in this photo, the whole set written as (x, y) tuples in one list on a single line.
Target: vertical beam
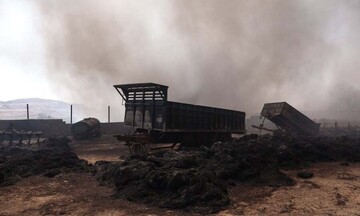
[(153, 111), (336, 126), (134, 108), (27, 112), (71, 114), (143, 110), (108, 114)]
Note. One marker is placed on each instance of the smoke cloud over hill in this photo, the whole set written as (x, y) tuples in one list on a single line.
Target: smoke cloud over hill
[(233, 54)]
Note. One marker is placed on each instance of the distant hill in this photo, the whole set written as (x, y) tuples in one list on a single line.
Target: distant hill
[(20, 103), (39, 109)]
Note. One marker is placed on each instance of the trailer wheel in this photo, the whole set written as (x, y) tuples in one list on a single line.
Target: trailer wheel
[(139, 150)]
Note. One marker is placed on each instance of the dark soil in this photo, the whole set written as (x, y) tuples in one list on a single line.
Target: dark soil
[(305, 175), (199, 180), (49, 158), (195, 180)]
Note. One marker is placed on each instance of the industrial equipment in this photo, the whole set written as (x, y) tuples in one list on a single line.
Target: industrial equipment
[(290, 120), (86, 129), (11, 134), (156, 120)]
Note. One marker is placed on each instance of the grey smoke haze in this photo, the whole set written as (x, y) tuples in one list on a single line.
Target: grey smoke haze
[(233, 54)]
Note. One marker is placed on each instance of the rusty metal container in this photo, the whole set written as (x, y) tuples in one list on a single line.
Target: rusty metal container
[(86, 129), (290, 119), (147, 108)]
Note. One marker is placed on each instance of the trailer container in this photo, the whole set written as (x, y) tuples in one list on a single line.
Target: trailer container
[(86, 129), (289, 119), (157, 120)]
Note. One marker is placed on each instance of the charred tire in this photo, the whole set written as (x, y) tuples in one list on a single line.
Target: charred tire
[(139, 150)]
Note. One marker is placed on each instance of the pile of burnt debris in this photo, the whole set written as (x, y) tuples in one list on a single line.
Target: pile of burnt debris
[(199, 180), (48, 158), (13, 135)]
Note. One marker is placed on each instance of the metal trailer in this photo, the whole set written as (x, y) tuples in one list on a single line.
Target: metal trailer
[(156, 120), (86, 129), (288, 119)]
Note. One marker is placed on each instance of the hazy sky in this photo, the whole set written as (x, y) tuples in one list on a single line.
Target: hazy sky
[(22, 52), (235, 54)]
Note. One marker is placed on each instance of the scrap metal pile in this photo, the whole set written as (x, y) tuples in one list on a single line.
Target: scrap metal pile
[(49, 158), (200, 179), (11, 134)]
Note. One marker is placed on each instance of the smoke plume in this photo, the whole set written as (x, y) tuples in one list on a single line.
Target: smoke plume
[(234, 54)]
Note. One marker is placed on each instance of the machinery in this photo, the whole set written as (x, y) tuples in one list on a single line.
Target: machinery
[(156, 120), (11, 134), (289, 120), (86, 129)]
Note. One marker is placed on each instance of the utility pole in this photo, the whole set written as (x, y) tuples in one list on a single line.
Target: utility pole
[(108, 114), (27, 111), (71, 114)]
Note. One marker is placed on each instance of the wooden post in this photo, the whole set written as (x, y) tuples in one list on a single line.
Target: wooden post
[(27, 111), (336, 126), (108, 114), (71, 114)]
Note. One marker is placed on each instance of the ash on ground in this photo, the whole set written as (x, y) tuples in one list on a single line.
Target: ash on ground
[(195, 180), (49, 158), (200, 180)]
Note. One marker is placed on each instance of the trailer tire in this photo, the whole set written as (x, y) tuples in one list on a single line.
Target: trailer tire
[(139, 150)]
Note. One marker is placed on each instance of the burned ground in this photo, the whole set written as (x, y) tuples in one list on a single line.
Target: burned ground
[(200, 180), (238, 177), (49, 158)]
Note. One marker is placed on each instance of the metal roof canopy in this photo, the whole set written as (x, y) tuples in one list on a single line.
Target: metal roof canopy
[(142, 92)]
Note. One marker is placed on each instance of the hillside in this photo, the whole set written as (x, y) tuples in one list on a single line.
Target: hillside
[(39, 109)]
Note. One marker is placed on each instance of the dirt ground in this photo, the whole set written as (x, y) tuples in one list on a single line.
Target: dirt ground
[(107, 148), (334, 190)]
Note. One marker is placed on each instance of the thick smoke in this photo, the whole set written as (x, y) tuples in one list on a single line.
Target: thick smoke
[(233, 54)]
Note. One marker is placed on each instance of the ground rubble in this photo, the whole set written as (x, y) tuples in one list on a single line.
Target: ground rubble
[(200, 180), (196, 180), (49, 158)]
